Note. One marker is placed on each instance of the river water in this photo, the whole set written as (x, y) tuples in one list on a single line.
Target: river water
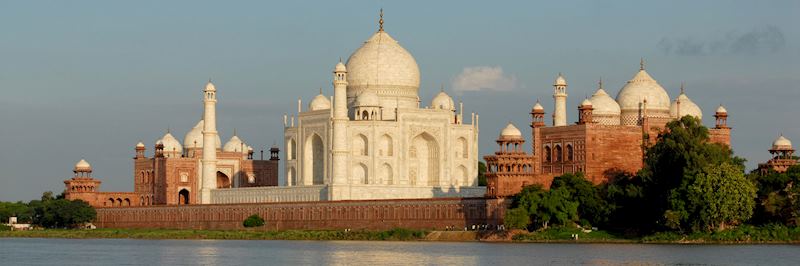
[(33, 251)]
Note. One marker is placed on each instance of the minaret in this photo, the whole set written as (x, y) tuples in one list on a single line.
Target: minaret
[(560, 96), (340, 120), (209, 160)]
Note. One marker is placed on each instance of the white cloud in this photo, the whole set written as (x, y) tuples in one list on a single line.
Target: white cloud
[(484, 78)]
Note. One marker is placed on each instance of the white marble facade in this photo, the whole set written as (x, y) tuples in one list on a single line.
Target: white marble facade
[(377, 140)]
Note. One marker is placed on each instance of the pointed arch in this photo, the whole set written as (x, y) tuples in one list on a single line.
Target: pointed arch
[(291, 150), (360, 145), (424, 159), (548, 154), (291, 175), (314, 161), (462, 151), (386, 146), (223, 181), (360, 174), (559, 156), (570, 153), (183, 197), (386, 174), (462, 178)]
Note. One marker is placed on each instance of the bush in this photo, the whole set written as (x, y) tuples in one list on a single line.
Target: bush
[(4, 227), (254, 221)]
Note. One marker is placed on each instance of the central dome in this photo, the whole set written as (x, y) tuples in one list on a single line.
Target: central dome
[(383, 66), (632, 96)]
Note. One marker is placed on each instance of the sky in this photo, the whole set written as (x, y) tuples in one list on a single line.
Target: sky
[(90, 79)]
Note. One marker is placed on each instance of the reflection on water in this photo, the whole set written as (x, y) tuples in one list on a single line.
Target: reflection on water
[(234, 252)]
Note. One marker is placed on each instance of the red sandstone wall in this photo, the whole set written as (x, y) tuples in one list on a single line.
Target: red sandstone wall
[(373, 215), (720, 135), (612, 148)]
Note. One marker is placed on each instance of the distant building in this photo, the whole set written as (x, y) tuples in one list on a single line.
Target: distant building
[(12, 222), (782, 157), (609, 137)]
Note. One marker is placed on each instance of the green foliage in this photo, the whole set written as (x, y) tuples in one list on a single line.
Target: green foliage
[(778, 197), (565, 233), (4, 227), (545, 207), (671, 165), (253, 221), (517, 218), (482, 174), (592, 207), (15, 209), (61, 213), (719, 197)]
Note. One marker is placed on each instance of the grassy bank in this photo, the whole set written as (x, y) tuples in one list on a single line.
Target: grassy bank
[(394, 234), (746, 234)]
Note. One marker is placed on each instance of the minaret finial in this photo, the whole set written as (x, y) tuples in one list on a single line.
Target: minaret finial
[(380, 22), (340, 59), (600, 83), (682, 91), (234, 131), (441, 87), (320, 90), (641, 63)]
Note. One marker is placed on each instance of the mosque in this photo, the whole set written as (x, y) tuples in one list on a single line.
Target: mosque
[(371, 139), (608, 139)]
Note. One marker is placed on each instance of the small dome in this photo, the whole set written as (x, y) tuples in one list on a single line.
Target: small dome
[(721, 109), (171, 144), (340, 67), (210, 86), (320, 102), (510, 131), (83, 165), (560, 80), (782, 143), (603, 104), (687, 107), (140, 145), (443, 101), (235, 145), (194, 138), (586, 102), (538, 107), (367, 98)]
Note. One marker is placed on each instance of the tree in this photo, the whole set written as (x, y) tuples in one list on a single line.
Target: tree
[(517, 218), (482, 174), (15, 209), (546, 207), (720, 196), (591, 206), (778, 197), (61, 213), (681, 152), (253, 221)]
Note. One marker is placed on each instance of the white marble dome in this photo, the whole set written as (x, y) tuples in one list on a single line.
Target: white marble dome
[(443, 101), (721, 109), (367, 98), (586, 102), (210, 86), (782, 143), (538, 107), (194, 138), (320, 102), (171, 144), (140, 145), (643, 87), (235, 144), (383, 66), (687, 107), (603, 104), (340, 67), (510, 131)]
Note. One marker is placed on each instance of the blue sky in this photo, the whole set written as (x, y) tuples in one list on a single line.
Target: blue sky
[(89, 79)]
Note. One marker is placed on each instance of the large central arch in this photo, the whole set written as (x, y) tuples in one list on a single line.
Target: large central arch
[(223, 181), (424, 160), (313, 161)]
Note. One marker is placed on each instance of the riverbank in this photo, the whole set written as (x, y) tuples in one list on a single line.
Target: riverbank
[(741, 235)]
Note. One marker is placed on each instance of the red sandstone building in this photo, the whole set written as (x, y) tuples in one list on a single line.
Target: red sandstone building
[(609, 137), (782, 157)]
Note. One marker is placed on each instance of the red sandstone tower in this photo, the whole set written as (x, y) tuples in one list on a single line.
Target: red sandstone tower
[(81, 186), (782, 157), (509, 169)]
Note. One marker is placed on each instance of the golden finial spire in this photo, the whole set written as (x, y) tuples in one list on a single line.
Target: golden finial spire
[(380, 22), (600, 83), (320, 90), (682, 92), (641, 63)]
